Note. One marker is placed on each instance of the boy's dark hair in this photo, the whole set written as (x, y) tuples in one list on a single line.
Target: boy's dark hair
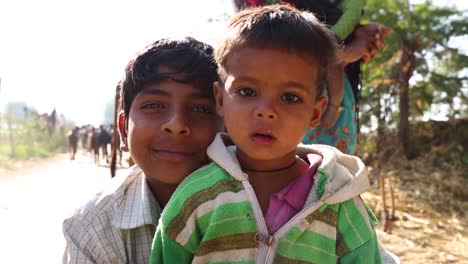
[(190, 60), (279, 27)]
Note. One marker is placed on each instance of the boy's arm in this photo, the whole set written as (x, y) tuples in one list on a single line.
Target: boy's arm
[(77, 244), (350, 17)]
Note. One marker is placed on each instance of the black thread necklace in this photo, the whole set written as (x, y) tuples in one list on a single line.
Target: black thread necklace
[(274, 170)]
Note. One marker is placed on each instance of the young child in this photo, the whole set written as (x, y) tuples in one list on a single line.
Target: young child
[(168, 120), (264, 199), (342, 16), (338, 126)]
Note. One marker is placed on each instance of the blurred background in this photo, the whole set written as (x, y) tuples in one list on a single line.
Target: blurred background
[(60, 62)]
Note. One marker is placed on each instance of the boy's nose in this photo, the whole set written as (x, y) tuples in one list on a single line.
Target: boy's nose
[(177, 123)]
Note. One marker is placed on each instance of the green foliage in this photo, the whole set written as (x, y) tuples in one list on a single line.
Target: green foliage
[(22, 139), (440, 76)]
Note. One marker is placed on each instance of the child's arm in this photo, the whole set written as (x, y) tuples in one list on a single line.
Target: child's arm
[(367, 253), (166, 250), (357, 240), (350, 17)]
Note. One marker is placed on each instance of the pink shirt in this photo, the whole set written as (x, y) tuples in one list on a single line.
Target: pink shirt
[(290, 200)]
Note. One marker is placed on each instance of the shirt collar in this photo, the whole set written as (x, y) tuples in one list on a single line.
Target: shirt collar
[(138, 206), (295, 192)]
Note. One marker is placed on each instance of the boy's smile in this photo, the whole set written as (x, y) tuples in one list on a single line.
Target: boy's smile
[(268, 101), (174, 152)]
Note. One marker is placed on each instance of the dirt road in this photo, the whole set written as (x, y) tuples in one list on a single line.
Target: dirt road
[(35, 197)]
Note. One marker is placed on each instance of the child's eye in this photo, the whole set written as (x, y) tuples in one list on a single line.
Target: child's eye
[(290, 98), (153, 106), (203, 109), (246, 92)]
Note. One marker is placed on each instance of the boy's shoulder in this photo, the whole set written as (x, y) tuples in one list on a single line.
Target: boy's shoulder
[(103, 207)]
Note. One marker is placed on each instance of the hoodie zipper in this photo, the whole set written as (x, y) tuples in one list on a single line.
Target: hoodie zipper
[(263, 248), (267, 241)]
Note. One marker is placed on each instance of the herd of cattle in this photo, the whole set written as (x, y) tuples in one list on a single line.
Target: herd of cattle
[(96, 141)]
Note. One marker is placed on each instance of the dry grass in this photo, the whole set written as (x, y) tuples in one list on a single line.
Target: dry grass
[(431, 206)]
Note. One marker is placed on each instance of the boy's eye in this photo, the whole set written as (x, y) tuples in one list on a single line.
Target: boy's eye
[(153, 106), (290, 98), (246, 92), (203, 109)]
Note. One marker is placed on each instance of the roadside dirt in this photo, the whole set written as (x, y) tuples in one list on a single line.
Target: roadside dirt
[(431, 208), (11, 171)]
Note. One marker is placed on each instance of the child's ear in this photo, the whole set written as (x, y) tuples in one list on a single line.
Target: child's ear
[(320, 104), (122, 131), (218, 90)]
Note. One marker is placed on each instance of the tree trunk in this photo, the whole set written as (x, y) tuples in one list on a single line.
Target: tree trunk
[(380, 121), (12, 137), (115, 135), (406, 71)]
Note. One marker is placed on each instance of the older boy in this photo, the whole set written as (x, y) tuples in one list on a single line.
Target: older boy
[(168, 120)]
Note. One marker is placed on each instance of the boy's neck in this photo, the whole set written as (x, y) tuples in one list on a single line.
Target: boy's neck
[(162, 192)]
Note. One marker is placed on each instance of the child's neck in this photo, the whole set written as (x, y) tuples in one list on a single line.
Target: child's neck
[(268, 179)]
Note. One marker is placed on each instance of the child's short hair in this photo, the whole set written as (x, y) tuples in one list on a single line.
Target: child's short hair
[(190, 60), (279, 27)]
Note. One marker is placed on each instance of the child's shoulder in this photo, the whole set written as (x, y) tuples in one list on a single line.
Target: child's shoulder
[(204, 185), (204, 178)]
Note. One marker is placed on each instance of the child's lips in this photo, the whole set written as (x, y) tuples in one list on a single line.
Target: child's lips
[(263, 138)]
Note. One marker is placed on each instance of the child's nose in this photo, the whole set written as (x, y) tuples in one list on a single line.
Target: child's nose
[(265, 110)]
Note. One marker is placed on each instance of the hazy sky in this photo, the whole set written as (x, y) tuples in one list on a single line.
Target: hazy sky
[(70, 54)]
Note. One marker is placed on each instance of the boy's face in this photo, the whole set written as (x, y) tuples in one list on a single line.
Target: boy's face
[(268, 101), (170, 125)]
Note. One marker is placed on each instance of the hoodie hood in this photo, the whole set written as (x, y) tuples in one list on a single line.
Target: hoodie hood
[(339, 178)]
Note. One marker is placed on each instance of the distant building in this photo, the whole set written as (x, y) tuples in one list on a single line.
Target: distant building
[(17, 109)]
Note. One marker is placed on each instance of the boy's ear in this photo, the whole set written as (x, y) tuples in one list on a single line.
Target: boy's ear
[(218, 90), (122, 131), (320, 104)]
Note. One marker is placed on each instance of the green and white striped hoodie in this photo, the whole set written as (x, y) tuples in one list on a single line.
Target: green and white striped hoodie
[(214, 216)]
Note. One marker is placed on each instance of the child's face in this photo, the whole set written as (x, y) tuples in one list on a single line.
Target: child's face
[(268, 101), (169, 128)]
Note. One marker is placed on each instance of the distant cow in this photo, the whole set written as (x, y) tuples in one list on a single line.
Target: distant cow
[(73, 141), (100, 140)]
